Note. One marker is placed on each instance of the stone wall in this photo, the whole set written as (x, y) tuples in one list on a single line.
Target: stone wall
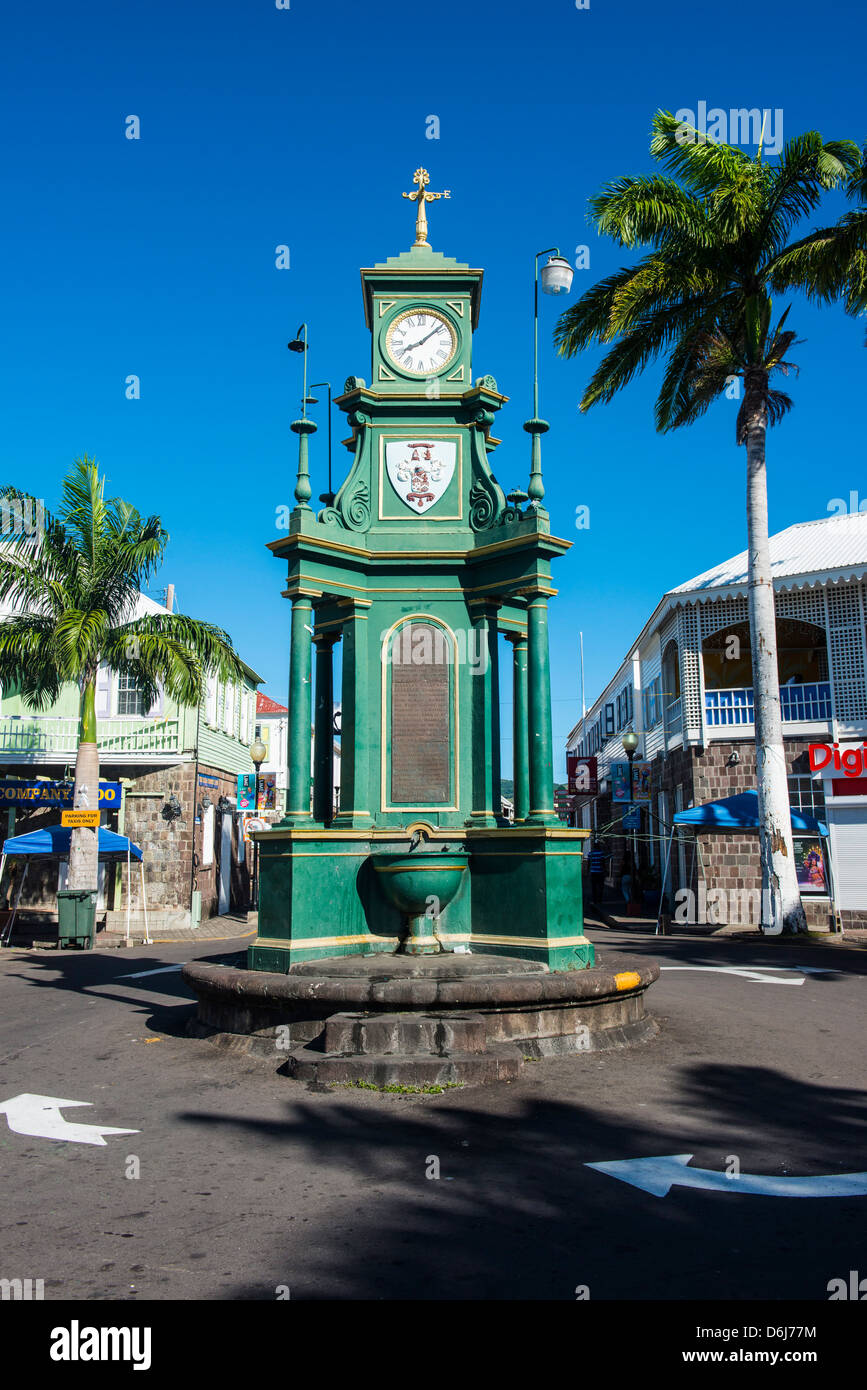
[(172, 852), (729, 860)]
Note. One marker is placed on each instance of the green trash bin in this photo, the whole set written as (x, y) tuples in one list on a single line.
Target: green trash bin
[(76, 917)]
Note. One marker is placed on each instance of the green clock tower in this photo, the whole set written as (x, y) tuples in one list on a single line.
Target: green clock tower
[(417, 569)]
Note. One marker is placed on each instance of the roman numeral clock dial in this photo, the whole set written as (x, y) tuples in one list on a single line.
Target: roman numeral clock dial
[(421, 342)]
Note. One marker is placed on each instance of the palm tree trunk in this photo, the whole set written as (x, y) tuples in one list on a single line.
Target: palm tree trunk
[(782, 909), (84, 845)]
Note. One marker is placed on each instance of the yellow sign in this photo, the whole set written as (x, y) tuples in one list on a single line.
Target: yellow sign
[(80, 817)]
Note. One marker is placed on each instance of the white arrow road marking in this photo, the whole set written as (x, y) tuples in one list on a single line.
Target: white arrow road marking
[(161, 970), (40, 1116), (659, 1175), (758, 977)]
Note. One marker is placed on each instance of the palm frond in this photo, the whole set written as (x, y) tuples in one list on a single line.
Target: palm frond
[(698, 370), (702, 165), (829, 264), (30, 663), (174, 651), (648, 338), (648, 210), (589, 318)]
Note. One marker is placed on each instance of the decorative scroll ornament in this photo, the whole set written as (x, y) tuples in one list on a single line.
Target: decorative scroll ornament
[(483, 505), (356, 507), (420, 470), (514, 510)]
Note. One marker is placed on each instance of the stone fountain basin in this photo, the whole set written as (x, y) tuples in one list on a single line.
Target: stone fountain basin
[(410, 879)]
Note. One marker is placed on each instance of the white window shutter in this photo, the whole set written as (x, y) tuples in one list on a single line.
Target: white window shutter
[(211, 700), (158, 704), (103, 692)]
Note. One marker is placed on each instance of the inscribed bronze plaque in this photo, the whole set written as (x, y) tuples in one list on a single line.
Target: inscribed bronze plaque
[(420, 679)]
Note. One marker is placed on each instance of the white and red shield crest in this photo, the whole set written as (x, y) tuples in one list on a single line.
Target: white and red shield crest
[(420, 470)]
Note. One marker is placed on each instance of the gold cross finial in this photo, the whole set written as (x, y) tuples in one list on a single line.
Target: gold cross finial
[(420, 197)]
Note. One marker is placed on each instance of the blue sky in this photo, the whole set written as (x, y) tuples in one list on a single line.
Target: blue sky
[(262, 126)]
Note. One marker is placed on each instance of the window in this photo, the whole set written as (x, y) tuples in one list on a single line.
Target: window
[(671, 673), (609, 721), (229, 710), (652, 704), (808, 795), (624, 707), (129, 698), (211, 701)]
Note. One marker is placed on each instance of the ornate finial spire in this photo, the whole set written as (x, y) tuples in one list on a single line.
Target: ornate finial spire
[(420, 197)]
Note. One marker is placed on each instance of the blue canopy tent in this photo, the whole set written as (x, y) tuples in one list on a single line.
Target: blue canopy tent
[(53, 842), (739, 812)]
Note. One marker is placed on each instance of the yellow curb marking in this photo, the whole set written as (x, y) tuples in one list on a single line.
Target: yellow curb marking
[(627, 979)]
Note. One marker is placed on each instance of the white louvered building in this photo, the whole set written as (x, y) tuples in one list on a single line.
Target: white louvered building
[(685, 688)]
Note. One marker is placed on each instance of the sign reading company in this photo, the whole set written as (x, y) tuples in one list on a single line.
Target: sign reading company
[(420, 470), (54, 794)]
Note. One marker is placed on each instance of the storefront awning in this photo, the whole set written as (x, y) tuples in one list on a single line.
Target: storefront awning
[(53, 841), (742, 813)]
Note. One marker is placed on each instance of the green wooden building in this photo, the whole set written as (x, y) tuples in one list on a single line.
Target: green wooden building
[(195, 863)]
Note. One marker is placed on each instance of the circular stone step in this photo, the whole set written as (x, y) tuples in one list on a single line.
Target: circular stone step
[(448, 966), (399, 1007)]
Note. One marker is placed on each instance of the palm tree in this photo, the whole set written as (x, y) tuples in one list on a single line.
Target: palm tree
[(74, 586), (719, 224)]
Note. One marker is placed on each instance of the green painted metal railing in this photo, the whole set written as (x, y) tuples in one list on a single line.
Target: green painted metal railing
[(47, 734)]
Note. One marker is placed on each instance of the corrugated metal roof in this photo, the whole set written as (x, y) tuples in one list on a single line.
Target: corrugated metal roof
[(265, 705), (835, 544)]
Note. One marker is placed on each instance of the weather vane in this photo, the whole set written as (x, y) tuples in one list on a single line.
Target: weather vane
[(420, 197)]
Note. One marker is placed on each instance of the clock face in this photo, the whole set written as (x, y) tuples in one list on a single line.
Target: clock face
[(421, 342)]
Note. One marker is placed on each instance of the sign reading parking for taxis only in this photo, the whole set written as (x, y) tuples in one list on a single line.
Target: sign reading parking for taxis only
[(74, 818)]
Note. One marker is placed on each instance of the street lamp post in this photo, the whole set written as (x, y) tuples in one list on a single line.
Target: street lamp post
[(302, 427), (556, 277), (258, 754), (325, 497), (630, 743)]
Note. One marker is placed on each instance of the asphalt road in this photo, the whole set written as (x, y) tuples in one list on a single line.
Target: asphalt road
[(249, 1183)]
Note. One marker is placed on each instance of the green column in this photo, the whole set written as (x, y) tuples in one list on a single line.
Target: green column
[(300, 711), (359, 721), (539, 713), (520, 739), (481, 670), (323, 730)]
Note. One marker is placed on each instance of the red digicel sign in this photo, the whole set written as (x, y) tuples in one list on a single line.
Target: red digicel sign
[(852, 761)]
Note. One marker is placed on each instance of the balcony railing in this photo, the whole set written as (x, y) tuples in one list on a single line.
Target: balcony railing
[(798, 703), (43, 735), (673, 717)]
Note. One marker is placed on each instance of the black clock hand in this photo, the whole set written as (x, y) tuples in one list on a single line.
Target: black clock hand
[(412, 346)]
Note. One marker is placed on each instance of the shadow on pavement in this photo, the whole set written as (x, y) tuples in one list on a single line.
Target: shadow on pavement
[(516, 1214)]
